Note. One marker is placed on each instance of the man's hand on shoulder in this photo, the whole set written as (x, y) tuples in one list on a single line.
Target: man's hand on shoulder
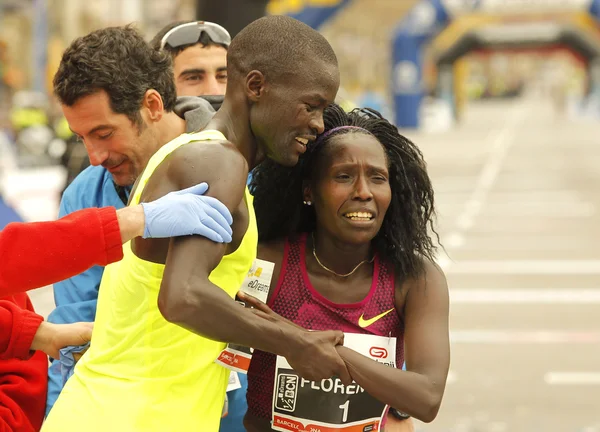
[(219, 164)]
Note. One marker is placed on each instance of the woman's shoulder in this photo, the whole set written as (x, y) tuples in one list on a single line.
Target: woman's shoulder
[(431, 278), (431, 275), (271, 248)]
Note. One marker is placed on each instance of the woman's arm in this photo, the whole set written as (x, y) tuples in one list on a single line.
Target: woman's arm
[(417, 391)]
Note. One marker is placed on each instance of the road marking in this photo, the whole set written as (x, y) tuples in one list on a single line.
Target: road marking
[(501, 141), (572, 378), (544, 267), (531, 243), (525, 296), (540, 337)]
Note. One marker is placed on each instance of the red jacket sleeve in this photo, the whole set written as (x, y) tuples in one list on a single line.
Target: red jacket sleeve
[(36, 254), (18, 329), (23, 383)]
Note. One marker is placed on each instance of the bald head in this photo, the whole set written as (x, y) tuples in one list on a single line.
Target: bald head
[(276, 46), (282, 75)]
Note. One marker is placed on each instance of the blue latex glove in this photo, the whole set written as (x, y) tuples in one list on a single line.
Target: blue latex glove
[(68, 361), (188, 212)]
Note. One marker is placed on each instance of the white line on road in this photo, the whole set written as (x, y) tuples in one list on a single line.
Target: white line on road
[(501, 141), (533, 243), (540, 337), (572, 378), (544, 267), (554, 378), (525, 296)]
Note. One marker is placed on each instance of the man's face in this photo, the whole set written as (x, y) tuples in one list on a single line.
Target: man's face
[(111, 140), (201, 70), (290, 115)]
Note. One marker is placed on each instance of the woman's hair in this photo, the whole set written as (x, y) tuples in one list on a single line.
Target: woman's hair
[(403, 240)]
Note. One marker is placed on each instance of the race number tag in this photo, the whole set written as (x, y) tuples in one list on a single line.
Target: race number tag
[(301, 405), (257, 284), (258, 281)]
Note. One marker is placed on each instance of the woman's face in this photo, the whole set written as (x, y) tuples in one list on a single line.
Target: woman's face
[(350, 189)]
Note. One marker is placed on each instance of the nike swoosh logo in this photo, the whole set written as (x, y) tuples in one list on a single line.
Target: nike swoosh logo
[(366, 323)]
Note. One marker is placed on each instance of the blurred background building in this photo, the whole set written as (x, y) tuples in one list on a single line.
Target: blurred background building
[(503, 97)]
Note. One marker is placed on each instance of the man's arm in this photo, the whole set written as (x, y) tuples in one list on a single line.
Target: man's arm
[(60, 249), (36, 254), (189, 299)]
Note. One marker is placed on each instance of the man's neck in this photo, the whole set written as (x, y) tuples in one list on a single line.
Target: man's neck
[(232, 120), (170, 127)]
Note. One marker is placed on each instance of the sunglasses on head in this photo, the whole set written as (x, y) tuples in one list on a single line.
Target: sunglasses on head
[(190, 33)]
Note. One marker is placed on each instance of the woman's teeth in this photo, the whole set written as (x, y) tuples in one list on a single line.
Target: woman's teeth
[(359, 216)]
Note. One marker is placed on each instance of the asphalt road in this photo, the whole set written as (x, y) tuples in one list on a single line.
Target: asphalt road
[(518, 193)]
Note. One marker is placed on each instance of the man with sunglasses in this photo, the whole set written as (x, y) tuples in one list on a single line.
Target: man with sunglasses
[(199, 52)]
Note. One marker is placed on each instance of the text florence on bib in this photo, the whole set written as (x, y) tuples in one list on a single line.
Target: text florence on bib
[(302, 405)]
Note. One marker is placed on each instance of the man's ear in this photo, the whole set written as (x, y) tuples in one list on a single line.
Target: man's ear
[(152, 105), (255, 85)]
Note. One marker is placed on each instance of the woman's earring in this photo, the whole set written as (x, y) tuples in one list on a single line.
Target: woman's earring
[(307, 203)]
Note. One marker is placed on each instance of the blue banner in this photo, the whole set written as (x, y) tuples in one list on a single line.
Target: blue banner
[(421, 24), (595, 9)]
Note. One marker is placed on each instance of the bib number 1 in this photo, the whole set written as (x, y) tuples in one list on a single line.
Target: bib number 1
[(345, 408), (328, 405)]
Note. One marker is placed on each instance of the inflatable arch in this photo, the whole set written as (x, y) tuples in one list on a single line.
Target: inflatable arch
[(482, 23)]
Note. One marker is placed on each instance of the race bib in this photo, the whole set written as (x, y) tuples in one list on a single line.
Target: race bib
[(328, 405), (257, 283)]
